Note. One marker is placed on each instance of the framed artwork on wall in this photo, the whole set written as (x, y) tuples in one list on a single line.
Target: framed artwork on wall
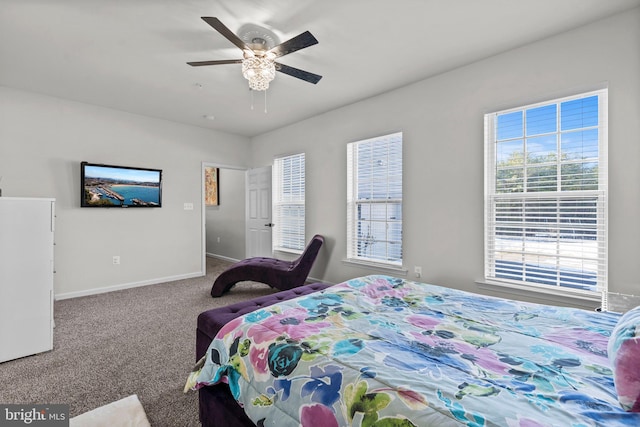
[(211, 186)]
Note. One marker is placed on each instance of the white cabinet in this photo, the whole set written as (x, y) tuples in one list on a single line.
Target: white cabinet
[(26, 276)]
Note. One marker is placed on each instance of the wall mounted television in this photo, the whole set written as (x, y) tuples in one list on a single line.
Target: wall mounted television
[(109, 186)]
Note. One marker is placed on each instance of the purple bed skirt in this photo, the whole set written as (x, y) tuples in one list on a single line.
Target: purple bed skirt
[(217, 406)]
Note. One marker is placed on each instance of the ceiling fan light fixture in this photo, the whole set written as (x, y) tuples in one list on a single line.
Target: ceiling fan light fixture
[(259, 71), (260, 51)]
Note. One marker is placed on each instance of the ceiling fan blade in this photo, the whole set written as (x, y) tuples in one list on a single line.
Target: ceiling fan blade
[(298, 73), (300, 41), (222, 61), (222, 29)]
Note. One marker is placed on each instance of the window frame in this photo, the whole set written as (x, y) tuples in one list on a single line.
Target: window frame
[(354, 213), (289, 233), (599, 198)]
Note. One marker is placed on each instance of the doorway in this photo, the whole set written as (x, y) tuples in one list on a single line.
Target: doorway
[(223, 224), (239, 225)]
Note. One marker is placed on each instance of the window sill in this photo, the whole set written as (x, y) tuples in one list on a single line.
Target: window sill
[(552, 296), (386, 268)]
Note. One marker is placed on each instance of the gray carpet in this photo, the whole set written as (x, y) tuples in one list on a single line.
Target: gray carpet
[(135, 341)]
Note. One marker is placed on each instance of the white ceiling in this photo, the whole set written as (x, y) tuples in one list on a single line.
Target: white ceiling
[(131, 54)]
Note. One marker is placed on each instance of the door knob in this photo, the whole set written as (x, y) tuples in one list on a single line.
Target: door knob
[(269, 225)]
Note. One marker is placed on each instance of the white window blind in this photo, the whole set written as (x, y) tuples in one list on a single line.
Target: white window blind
[(288, 203), (374, 200), (546, 195)]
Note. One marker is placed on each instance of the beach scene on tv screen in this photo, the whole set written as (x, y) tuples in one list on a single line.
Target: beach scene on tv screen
[(113, 186)]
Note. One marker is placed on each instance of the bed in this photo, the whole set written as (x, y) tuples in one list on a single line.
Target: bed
[(383, 352)]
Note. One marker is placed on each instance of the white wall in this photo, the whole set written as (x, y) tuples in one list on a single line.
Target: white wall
[(227, 220), (442, 122), (42, 142)]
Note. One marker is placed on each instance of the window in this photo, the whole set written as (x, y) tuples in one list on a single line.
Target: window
[(288, 203), (546, 195), (374, 200)]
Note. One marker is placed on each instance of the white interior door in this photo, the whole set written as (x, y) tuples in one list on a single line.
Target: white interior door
[(259, 224)]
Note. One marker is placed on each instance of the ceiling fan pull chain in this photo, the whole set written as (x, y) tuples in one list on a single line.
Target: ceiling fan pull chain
[(251, 90), (265, 102)]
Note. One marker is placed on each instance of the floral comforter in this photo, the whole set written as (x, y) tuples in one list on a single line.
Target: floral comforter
[(379, 351)]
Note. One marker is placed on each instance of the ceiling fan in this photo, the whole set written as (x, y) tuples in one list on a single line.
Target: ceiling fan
[(258, 63)]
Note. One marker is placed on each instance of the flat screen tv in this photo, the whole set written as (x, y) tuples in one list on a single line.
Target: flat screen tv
[(109, 186)]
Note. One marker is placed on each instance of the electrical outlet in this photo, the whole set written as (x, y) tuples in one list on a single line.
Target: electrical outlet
[(418, 271), (218, 239), (188, 206), (116, 259)]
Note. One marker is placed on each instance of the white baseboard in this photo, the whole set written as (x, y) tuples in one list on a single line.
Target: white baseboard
[(95, 291), (314, 280), (224, 258)]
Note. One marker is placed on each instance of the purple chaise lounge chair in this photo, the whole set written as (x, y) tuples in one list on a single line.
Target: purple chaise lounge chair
[(279, 274)]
